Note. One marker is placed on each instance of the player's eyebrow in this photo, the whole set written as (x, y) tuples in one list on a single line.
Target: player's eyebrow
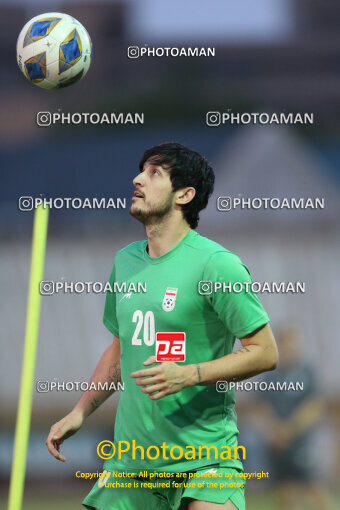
[(154, 165)]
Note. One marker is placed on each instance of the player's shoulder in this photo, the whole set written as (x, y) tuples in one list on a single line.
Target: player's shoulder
[(211, 250), (218, 260), (136, 248)]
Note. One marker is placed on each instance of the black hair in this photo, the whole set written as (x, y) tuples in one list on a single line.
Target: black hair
[(187, 168)]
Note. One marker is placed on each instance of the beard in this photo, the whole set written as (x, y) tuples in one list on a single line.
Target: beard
[(154, 214)]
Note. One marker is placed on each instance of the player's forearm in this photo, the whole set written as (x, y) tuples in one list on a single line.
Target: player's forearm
[(107, 371), (242, 364)]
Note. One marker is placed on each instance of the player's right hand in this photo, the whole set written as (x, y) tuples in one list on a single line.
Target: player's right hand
[(62, 430)]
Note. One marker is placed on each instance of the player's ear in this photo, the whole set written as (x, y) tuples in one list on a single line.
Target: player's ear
[(184, 196)]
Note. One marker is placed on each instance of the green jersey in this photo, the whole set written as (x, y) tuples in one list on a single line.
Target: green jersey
[(176, 301)]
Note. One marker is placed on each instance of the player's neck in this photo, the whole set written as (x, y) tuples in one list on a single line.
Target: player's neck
[(163, 237)]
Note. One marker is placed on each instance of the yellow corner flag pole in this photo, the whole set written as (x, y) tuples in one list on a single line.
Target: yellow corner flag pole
[(28, 365)]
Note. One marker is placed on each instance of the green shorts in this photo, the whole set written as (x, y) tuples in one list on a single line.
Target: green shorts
[(166, 491)]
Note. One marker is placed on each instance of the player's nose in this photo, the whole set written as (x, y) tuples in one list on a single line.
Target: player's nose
[(138, 180)]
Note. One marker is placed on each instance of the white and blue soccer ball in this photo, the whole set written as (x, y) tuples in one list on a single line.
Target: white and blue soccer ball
[(54, 50)]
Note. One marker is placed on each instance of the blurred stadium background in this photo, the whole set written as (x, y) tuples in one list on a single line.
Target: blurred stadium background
[(271, 56)]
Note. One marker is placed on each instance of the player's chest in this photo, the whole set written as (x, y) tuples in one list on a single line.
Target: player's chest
[(169, 296), (168, 301)]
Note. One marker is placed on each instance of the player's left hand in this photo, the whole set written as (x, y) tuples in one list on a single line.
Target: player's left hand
[(163, 379)]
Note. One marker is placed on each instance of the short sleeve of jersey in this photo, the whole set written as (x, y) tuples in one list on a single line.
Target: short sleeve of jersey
[(240, 312), (110, 316)]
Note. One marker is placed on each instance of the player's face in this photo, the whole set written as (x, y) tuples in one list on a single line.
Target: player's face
[(153, 197)]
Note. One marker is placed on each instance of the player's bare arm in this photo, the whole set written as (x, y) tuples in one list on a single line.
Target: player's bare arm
[(258, 354), (107, 370)]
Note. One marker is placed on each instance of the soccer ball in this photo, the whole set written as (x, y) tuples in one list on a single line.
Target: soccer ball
[(54, 50)]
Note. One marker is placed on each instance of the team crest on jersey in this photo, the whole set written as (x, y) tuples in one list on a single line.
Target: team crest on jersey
[(169, 299)]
